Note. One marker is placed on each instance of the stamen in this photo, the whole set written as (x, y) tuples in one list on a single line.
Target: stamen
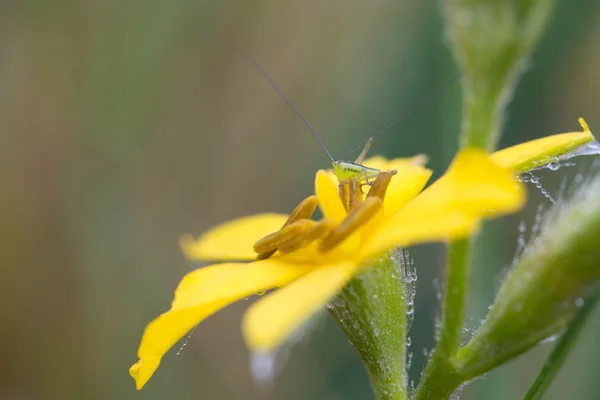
[(319, 229), (357, 217), (299, 231), (356, 195), (284, 235), (379, 187), (265, 255), (344, 190), (304, 210)]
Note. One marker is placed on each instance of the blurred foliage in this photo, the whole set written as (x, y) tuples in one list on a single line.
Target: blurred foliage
[(122, 127)]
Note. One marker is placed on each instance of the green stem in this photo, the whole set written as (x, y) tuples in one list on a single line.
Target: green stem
[(440, 378), (562, 349), (371, 310), (482, 118), (455, 299)]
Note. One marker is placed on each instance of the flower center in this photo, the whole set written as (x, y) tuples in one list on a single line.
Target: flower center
[(300, 231)]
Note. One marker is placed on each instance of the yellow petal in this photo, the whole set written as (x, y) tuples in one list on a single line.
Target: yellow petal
[(474, 184), (200, 294), (529, 155), (329, 198), (419, 225), (383, 164), (232, 240), (453, 206), (404, 186), (272, 319)]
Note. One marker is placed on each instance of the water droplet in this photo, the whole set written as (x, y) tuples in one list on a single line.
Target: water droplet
[(591, 148), (187, 339), (408, 341), (262, 367), (579, 301), (550, 339), (553, 166)]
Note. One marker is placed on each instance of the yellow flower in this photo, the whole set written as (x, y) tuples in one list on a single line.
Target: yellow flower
[(313, 260)]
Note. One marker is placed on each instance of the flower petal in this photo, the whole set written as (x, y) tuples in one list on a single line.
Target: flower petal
[(453, 206), (200, 294), (404, 186), (329, 198), (529, 155), (268, 322), (419, 225), (473, 184), (232, 240), (383, 164)]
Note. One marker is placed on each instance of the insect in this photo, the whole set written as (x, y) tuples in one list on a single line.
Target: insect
[(345, 171)]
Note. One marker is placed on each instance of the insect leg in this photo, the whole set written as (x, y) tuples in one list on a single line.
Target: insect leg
[(363, 153)]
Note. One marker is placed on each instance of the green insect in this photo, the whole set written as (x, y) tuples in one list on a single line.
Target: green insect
[(345, 170)]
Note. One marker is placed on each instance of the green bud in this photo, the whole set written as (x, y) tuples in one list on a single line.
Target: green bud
[(547, 286), (491, 40)]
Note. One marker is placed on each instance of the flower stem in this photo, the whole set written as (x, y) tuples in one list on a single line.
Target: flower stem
[(562, 349), (440, 378), (455, 299), (371, 310), (482, 119)]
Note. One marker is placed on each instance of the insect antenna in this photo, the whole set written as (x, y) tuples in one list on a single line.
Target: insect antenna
[(241, 52), (426, 101)]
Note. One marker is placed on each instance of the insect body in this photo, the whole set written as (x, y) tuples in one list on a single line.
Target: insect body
[(345, 170), (351, 170)]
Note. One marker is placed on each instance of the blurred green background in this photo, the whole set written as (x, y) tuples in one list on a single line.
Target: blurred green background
[(122, 127)]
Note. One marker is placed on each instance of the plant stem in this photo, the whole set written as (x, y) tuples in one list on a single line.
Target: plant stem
[(563, 347), (440, 378), (482, 119), (371, 310), (455, 299)]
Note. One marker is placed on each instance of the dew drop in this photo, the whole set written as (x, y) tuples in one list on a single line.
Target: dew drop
[(187, 339), (591, 148), (262, 367), (579, 301), (550, 339)]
